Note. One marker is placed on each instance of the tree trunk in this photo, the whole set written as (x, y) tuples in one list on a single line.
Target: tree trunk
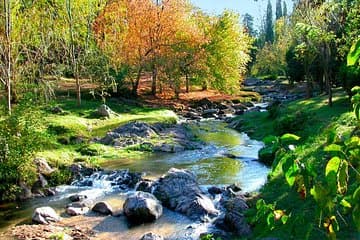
[(154, 79), (327, 73), (8, 52), (187, 82), (135, 86), (72, 52)]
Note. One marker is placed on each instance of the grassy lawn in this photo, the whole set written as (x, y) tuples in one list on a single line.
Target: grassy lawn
[(83, 122)]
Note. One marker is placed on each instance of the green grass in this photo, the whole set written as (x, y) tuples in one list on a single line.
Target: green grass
[(82, 121), (320, 121)]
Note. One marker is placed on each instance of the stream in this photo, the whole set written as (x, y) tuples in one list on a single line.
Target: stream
[(227, 157)]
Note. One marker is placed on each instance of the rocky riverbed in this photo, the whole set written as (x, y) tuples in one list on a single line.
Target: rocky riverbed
[(214, 210)]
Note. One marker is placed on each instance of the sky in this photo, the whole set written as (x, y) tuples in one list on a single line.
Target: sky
[(256, 9)]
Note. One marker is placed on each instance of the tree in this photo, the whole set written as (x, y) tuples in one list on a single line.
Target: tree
[(248, 22), (279, 11), (6, 50), (284, 10), (227, 53), (269, 26)]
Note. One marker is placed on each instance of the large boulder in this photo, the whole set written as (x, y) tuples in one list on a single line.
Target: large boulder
[(142, 207), (179, 191), (104, 111), (136, 129), (151, 236), (45, 215), (43, 167), (234, 219), (103, 208)]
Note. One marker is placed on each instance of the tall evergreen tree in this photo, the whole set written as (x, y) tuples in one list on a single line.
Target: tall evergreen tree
[(248, 22), (279, 11), (284, 9), (269, 25)]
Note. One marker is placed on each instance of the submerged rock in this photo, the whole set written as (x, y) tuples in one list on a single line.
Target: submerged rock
[(45, 215), (151, 236), (179, 191), (142, 207), (103, 208)]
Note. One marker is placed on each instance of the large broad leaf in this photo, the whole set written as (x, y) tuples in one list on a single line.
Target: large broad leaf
[(343, 177), (289, 138), (335, 150), (331, 172), (354, 54)]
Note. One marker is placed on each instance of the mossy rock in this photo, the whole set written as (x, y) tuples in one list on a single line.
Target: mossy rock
[(267, 155), (88, 151)]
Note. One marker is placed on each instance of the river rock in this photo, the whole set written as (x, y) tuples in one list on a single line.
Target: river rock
[(142, 207), (210, 113), (104, 111), (234, 219), (81, 204), (25, 192), (145, 185), (169, 148), (45, 215), (136, 129), (103, 208), (72, 211), (77, 197), (215, 190), (151, 236), (43, 167), (179, 191)]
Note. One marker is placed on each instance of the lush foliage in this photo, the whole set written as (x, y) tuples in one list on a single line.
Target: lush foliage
[(21, 136)]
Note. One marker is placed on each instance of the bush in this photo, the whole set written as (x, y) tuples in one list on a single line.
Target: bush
[(350, 77), (21, 135), (290, 123)]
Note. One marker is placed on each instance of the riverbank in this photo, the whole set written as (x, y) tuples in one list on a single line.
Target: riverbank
[(290, 190)]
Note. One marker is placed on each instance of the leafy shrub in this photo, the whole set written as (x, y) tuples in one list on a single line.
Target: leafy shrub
[(21, 135), (60, 176), (86, 150), (290, 122), (350, 77)]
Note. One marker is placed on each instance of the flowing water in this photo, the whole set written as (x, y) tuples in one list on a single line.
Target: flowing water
[(227, 157)]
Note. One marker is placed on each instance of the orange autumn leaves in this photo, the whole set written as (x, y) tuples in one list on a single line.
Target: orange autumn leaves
[(168, 38)]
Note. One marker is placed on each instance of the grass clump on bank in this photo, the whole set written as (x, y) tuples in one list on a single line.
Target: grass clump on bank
[(72, 131), (313, 189)]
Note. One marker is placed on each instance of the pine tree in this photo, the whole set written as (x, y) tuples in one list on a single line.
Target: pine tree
[(269, 26), (248, 22), (279, 11)]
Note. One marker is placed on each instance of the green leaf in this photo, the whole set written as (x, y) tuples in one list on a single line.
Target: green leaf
[(270, 220), (345, 203), (284, 219), (331, 173), (354, 54), (291, 174), (333, 148), (289, 138), (343, 177), (270, 140), (356, 195)]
